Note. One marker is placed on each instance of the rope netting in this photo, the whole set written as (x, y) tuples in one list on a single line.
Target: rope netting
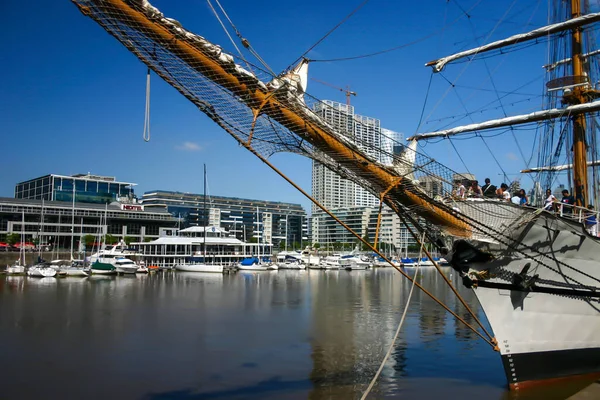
[(271, 114)]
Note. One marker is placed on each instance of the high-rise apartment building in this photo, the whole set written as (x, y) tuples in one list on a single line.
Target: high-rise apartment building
[(328, 187), (337, 193)]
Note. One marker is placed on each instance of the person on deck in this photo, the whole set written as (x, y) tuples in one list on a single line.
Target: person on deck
[(524, 201), (591, 223), (567, 203), (488, 189), (461, 191), (550, 200), (475, 190), (502, 192)]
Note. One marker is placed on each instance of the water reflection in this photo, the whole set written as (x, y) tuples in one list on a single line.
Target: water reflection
[(266, 335)]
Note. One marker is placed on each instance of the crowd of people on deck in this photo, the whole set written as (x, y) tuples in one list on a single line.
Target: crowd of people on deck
[(564, 206)]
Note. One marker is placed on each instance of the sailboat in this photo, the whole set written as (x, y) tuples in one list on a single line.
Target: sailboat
[(256, 263), (18, 268), (99, 264), (194, 265), (535, 273)]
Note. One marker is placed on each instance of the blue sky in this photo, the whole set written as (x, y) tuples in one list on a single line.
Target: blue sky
[(72, 97)]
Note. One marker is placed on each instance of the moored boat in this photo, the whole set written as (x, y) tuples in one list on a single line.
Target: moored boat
[(142, 269), (194, 264), (252, 264), (15, 269), (124, 265), (41, 271), (102, 268)]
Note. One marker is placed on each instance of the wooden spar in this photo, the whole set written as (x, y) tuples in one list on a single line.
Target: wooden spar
[(575, 23), (271, 106), (580, 181)]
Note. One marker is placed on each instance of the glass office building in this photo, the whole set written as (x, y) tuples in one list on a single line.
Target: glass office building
[(274, 222), (87, 188)]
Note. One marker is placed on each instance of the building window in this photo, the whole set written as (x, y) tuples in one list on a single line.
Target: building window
[(67, 185), (91, 186), (80, 186)]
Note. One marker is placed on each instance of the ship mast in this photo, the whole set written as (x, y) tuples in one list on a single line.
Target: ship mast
[(580, 181)]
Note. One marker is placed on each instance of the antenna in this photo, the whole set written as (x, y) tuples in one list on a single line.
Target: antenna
[(347, 91)]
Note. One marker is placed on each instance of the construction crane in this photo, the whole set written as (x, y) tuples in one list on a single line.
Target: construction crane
[(347, 91)]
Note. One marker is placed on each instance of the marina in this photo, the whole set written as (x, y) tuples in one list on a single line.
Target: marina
[(269, 335), (535, 271)]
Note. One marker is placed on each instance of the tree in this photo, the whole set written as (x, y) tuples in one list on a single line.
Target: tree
[(13, 238), (316, 245), (147, 239), (89, 240), (110, 239), (366, 239), (128, 240)]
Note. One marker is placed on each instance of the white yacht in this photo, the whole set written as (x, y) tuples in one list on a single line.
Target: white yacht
[(352, 262), (331, 262), (124, 265), (292, 260)]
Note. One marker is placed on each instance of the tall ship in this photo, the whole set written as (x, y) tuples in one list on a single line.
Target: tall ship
[(535, 271)]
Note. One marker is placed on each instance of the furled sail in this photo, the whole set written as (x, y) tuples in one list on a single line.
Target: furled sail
[(587, 19), (514, 120)]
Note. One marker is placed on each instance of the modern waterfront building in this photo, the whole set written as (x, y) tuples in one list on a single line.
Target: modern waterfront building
[(190, 244), (393, 236), (56, 222), (86, 188), (281, 224)]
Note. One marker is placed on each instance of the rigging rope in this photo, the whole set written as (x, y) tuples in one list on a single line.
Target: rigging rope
[(228, 35), (389, 352), (146, 133), (245, 41), (388, 50), (330, 32)]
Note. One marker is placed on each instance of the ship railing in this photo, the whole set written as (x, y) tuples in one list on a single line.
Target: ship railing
[(581, 215)]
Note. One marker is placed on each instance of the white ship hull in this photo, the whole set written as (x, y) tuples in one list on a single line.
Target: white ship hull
[(551, 336), (199, 268), (253, 267), (550, 329), (126, 269), (291, 266), (74, 272)]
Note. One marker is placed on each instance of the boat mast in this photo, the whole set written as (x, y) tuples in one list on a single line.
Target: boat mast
[(72, 220), (580, 181), (205, 216)]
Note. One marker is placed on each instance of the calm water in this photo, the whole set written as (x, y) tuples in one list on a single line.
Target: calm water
[(267, 335)]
